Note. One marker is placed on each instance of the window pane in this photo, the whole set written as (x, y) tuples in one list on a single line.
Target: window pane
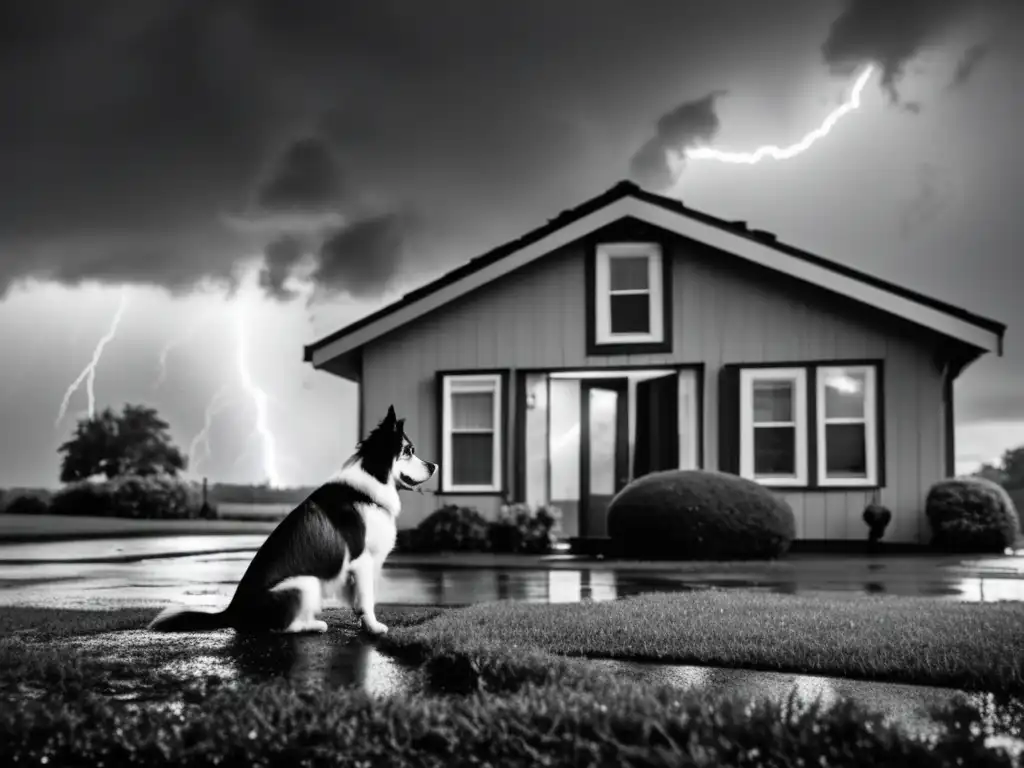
[(845, 450), (775, 451), (773, 401), (472, 458), (628, 273), (472, 410), (631, 313), (844, 394)]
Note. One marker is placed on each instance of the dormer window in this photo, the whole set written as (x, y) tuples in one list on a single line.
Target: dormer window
[(629, 300)]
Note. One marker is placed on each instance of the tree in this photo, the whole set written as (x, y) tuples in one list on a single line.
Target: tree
[(134, 442), (1009, 472)]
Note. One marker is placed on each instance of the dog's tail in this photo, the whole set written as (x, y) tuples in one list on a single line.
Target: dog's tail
[(181, 620)]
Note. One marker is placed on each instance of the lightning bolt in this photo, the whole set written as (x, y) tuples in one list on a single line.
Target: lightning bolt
[(173, 344), (88, 374), (783, 153), (260, 400), (202, 437)]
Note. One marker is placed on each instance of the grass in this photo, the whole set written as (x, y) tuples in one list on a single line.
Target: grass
[(523, 706), (228, 510), (912, 640), (26, 528)]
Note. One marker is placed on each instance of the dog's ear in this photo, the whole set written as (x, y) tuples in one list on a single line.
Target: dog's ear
[(391, 418), (400, 426)]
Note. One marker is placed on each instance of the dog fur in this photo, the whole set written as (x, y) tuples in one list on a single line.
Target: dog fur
[(334, 542)]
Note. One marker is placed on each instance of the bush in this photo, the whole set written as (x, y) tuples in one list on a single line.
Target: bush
[(521, 528), (83, 499), (25, 504), (152, 497), (453, 529), (699, 515), (971, 514)]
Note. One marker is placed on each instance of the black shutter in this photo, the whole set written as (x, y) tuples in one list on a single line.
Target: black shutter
[(729, 420)]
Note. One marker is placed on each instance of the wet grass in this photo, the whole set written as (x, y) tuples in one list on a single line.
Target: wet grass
[(516, 705), (895, 639)]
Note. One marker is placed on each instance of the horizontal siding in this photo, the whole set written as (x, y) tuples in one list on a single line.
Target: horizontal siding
[(724, 312)]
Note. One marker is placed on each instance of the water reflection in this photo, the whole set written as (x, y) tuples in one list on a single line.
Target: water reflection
[(209, 580), (908, 706), (333, 660)]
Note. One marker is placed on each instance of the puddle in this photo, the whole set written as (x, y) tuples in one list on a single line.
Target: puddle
[(907, 706), (221, 657)]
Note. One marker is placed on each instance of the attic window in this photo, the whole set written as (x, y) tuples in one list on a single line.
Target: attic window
[(628, 299)]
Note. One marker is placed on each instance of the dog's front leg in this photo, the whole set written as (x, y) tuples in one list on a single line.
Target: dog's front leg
[(364, 588)]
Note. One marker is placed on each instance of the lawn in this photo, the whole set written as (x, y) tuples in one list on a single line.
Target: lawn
[(15, 528), (514, 702), (873, 637)]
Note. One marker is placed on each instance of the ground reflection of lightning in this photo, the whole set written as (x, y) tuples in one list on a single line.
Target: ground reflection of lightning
[(259, 398), (781, 153), (202, 438), (88, 374)]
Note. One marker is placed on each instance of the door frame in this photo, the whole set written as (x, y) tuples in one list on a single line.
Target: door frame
[(619, 385)]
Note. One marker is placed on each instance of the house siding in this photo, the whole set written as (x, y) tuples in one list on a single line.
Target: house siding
[(724, 311)]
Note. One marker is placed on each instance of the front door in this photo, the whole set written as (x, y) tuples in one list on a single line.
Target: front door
[(657, 425), (604, 450)]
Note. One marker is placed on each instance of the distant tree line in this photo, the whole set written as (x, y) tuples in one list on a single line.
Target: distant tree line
[(1008, 471)]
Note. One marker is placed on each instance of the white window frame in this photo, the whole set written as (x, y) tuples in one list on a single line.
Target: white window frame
[(463, 383), (869, 421), (605, 252), (748, 377)]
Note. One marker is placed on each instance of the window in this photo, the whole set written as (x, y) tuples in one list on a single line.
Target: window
[(847, 445), (780, 430), (472, 434), (773, 423), (628, 287)]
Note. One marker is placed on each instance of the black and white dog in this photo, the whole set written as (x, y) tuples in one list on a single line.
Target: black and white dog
[(333, 542)]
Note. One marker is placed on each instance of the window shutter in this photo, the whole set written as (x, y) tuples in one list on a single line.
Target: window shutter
[(729, 420)]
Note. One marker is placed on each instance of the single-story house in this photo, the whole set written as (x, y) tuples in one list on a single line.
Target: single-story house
[(633, 334)]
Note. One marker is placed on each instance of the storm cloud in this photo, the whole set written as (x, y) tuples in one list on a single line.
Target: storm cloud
[(688, 125), (890, 34)]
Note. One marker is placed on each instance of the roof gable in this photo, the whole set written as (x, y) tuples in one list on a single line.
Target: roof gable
[(628, 200)]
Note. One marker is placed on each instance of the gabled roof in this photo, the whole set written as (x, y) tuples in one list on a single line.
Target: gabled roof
[(626, 199)]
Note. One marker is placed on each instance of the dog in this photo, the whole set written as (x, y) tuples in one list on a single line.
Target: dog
[(334, 542)]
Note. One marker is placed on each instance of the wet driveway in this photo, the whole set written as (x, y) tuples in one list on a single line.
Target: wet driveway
[(202, 571)]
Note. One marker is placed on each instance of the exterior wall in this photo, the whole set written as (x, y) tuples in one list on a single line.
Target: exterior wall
[(724, 311)]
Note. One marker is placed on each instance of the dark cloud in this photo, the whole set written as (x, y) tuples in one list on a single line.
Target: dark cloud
[(969, 62), (688, 125), (306, 178), (890, 33), (361, 258), (280, 259)]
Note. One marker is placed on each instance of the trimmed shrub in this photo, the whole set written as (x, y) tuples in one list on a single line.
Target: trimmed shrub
[(152, 497), (699, 515), (453, 529), (24, 504), (521, 528), (971, 514)]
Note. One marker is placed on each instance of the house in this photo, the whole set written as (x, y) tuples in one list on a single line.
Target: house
[(633, 334)]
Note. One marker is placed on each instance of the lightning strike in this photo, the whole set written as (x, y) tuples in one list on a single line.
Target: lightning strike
[(173, 344), (202, 438), (88, 374), (783, 153), (260, 401)]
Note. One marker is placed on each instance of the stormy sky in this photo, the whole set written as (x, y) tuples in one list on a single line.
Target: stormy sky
[(296, 165)]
